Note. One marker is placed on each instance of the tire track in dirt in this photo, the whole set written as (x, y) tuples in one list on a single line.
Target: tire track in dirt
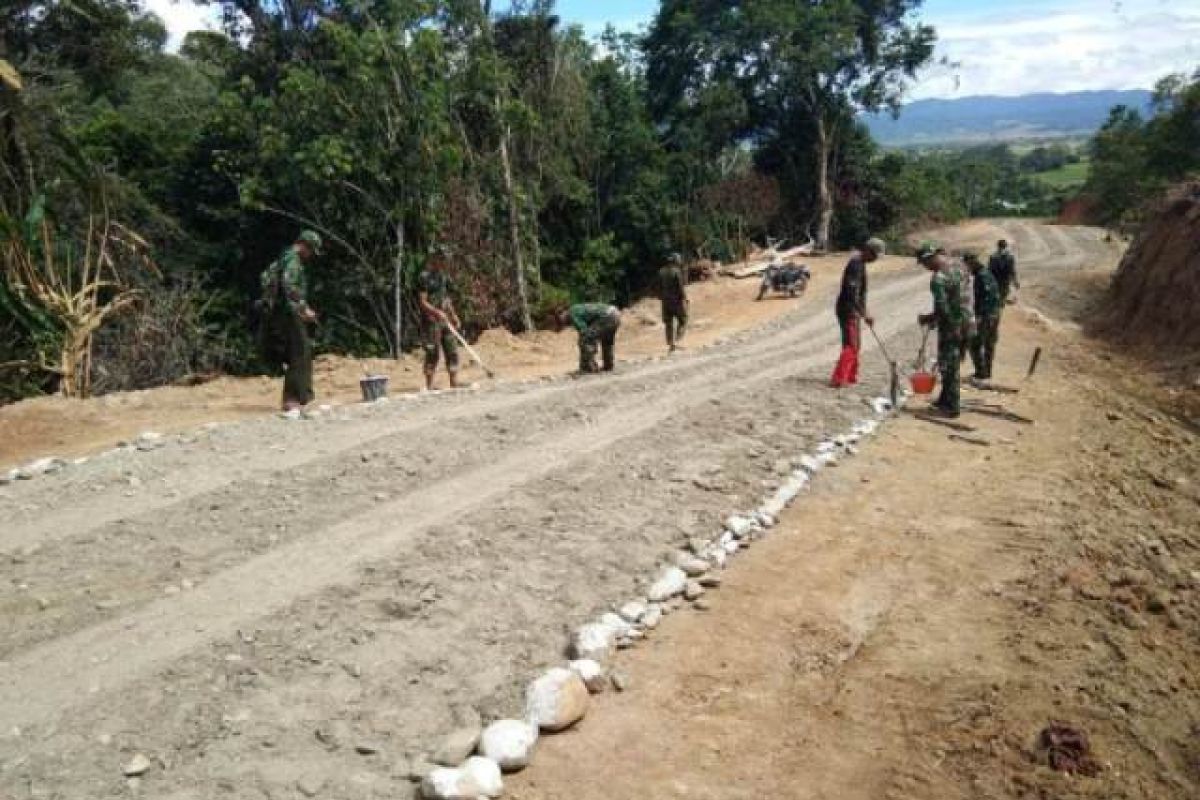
[(132, 561), (38, 516), (41, 683)]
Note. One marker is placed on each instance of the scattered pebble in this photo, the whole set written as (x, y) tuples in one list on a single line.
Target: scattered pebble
[(620, 681), (138, 765)]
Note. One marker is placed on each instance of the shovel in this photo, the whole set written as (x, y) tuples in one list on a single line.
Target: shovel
[(470, 350), (894, 370)]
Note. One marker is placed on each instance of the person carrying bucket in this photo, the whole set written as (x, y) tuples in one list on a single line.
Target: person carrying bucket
[(952, 316), (851, 311)]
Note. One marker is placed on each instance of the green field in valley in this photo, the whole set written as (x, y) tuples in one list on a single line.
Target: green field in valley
[(1065, 177)]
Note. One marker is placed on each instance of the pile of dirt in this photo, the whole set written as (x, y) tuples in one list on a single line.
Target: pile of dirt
[(1155, 295)]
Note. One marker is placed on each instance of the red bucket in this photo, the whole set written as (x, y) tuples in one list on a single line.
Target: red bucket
[(922, 382)]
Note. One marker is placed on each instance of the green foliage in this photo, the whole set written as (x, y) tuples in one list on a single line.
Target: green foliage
[(1133, 159)]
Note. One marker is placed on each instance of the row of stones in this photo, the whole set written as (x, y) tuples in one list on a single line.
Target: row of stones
[(470, 763)]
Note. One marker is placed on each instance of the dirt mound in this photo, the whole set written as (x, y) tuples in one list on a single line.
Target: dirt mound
[(1155, 295)]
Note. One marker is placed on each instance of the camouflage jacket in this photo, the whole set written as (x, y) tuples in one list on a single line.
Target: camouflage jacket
[(584, 315), (987, 294), (951, 303), (671, 286), (286, 279)]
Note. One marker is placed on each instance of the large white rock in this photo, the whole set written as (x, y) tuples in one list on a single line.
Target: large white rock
[(810, 464), (670, 582), (740, 526), (445, 783), (652, 617), (632, 611), (42, 466), (692, 566), (616, 624), (591, 673), (556, 700), (593, 641), (826, 446), (482, 776)]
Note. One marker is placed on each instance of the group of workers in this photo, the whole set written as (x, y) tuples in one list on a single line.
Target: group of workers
[(968, 298), (967, 302)]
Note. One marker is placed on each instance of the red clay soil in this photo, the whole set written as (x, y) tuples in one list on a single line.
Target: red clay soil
[(1155, 295)]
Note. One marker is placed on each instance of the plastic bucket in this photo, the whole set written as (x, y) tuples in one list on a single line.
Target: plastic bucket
[(373, 387), (922, 382)]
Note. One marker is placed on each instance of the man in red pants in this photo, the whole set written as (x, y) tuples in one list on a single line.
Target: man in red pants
[(851, 310)]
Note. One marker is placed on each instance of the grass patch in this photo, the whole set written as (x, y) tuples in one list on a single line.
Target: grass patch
[(1068, 176)]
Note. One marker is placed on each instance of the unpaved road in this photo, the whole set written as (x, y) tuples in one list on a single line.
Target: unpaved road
[(255, 606), (908, 630)]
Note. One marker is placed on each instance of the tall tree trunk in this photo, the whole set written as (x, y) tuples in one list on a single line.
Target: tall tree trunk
[(514, 232), (823, 147), (398, 291)]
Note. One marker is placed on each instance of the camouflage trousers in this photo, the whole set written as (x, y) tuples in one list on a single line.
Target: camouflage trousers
[(949, 364), (437, 339), (983, 345), (600, 334), (675, 317), (286, 344)]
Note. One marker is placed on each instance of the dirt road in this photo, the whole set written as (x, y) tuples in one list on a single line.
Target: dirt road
[(271, 604)]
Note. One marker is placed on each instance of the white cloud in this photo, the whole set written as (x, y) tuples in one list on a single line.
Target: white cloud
[(182, 17), (1064, 47)]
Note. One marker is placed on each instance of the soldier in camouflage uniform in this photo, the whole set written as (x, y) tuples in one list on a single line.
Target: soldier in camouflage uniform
[(987, 303), (286, 314), (952, 316), (597, 324), (1003, 266), (437, 315), (672, 288)]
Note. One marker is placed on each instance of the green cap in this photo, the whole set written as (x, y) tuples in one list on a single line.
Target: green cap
[(928, 250), (312, 239), (876, 246)]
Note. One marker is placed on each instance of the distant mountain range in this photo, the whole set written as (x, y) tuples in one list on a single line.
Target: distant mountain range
[(986, 119)]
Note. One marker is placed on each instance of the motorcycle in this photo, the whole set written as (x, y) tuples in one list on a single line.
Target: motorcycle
[(784, 279)]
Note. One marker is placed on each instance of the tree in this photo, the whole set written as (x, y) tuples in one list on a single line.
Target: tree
[(801, 69)]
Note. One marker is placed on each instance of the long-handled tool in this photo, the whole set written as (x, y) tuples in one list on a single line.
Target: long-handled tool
[(470, 350), (894, 383)]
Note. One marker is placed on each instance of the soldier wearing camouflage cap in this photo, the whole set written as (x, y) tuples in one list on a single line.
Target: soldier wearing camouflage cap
[(672, 290), (286, 315), (951, 316), (437, 315), (987, 302)]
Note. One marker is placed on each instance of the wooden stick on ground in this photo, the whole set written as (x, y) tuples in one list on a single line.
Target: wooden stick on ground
[(958, 437), (946, 423)]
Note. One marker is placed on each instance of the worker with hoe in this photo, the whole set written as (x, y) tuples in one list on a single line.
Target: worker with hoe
[(286, 316), (437, 317), (987, 300), (951, 316), (851, 311), (597, 324), (672, 289), (1003, 266)]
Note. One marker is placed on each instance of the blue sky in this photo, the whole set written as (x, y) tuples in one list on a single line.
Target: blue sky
[(1017, 47), (1004, 48)]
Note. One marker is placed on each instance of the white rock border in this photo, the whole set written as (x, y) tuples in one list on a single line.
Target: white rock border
[(593, 644)]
